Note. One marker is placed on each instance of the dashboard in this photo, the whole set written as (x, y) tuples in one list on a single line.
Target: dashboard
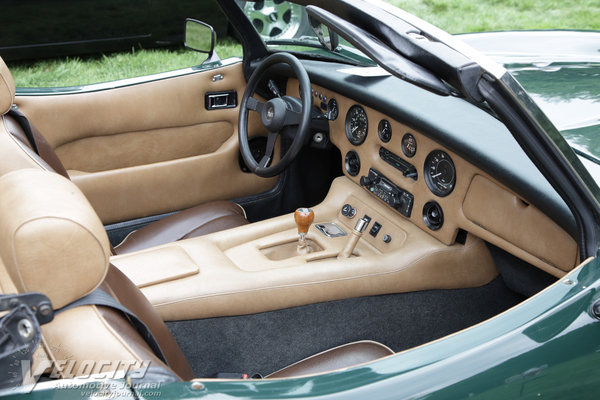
[(438, 190)]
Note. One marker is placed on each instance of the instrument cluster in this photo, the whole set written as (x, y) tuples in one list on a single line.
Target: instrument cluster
[(438, 169)]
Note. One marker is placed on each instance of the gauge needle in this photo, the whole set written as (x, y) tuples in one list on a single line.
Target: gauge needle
[(436, 175)]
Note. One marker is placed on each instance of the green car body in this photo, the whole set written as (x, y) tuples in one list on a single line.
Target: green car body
[(546, 347)]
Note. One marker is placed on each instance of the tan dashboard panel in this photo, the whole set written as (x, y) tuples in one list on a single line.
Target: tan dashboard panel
[(150, 148), (503, 214), (531, 248)]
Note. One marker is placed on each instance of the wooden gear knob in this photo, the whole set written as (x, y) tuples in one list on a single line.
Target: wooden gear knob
[(304, 217)]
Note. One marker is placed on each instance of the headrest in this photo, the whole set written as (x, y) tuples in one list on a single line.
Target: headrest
[(51, 240), (7, 88)]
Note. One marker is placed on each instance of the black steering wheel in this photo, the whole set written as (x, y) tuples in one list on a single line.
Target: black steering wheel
[(275, 114)]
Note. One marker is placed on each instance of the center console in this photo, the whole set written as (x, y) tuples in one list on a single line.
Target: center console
[(258, 267)]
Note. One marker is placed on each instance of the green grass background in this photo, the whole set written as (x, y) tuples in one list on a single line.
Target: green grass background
[(454, 16)]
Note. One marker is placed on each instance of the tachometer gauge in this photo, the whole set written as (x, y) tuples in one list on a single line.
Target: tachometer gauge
[(440, 173), (409, 145), (384, 130), (357, 125)]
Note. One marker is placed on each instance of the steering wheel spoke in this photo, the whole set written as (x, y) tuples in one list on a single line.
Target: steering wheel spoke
[(271, 139), (292, 117), (255, 105)]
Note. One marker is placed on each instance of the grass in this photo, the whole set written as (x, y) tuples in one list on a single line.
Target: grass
[(73, 71), (454, 16), (461, 16)]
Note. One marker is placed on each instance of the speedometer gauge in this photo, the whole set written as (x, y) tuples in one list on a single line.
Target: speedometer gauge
[(440, 173), (357, 125)]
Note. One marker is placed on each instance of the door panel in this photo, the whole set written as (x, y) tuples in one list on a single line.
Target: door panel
[(150, 148), (131, 149)]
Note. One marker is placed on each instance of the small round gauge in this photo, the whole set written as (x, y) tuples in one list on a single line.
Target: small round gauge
[(357, 125), (332, 110), (440, 173), (409, 145), (384, 130)]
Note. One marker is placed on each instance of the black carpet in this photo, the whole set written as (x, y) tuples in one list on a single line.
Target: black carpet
[(265, 342)]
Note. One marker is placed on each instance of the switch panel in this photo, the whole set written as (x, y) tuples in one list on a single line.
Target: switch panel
[(375, 229)]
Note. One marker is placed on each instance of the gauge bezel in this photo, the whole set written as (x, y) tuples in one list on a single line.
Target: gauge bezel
[(330, 104), (431, 224), (356, 109), (380, 130), (431, 181), (352, 155), (404, 149)]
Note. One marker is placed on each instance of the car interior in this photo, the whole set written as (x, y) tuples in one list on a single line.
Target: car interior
[(402, 217)]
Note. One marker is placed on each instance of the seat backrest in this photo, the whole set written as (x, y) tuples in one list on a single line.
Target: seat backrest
[(16, 149), (52, 241)]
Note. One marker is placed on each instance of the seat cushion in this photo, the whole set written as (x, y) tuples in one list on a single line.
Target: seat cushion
[(344, 356), (196, 221)]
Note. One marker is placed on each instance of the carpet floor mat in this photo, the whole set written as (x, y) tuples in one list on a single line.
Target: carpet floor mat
[(265, 342)]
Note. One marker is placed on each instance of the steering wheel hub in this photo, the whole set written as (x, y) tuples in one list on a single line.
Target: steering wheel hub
[(273, 114)]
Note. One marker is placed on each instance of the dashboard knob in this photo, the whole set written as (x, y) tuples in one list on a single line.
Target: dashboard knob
[(366, 181), (348, 210), (387, 238)]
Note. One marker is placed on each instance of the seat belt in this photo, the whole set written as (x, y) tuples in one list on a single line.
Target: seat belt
[(100, 298), (39, 144), (25, 125)]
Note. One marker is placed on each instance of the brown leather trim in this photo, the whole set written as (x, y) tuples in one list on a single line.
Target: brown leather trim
[(196, 221), (343, 356), (126, 293)]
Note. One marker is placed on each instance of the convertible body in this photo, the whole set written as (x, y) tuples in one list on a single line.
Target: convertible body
[(455, 231), (557, 68)]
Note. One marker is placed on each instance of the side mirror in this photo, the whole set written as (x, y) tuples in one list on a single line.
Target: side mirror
[(201, 37)]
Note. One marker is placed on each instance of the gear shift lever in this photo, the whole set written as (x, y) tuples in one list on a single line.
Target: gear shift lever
[(357, 232), (303, 217)]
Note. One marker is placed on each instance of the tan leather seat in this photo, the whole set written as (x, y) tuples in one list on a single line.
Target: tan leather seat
[(16, 152), (54, 243)]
